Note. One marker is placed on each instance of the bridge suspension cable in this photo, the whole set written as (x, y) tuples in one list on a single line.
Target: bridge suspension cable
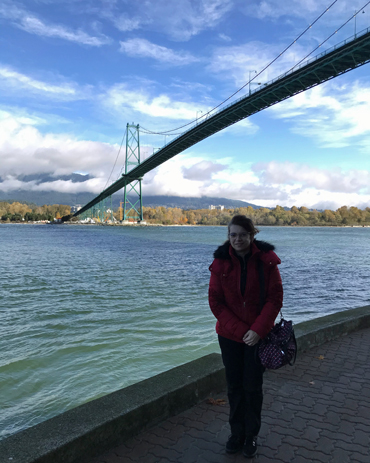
[(341, 58), (150, 132), (115, 162), (328, 38), (258, 74), (169, 132)]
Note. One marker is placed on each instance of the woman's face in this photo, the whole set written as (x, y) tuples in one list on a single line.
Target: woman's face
[(240, 239)]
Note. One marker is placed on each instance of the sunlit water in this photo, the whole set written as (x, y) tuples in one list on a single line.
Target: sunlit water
[(86, 310)]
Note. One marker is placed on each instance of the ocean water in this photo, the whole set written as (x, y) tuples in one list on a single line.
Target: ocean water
[(87, 310)]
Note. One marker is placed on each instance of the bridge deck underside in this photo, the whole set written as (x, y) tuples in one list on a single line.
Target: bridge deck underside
[(323, 68)]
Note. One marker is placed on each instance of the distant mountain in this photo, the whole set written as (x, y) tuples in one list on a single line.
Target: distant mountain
[(194, 203), (46, 197), (51, 197), (46, 178)]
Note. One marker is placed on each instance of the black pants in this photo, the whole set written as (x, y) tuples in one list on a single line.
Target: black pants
[(244, 377)]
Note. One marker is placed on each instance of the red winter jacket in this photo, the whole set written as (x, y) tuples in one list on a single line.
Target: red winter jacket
[(237, 313)]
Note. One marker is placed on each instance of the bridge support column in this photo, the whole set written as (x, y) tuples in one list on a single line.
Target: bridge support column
[(132, 204), (102, 211)]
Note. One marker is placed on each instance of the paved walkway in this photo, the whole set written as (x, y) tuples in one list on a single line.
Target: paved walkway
[(317, 411)]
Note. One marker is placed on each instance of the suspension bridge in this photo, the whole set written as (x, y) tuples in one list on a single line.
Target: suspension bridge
[(344, 57)]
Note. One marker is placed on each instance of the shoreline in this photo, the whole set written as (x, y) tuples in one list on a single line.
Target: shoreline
[(177, 225), (90, 429)]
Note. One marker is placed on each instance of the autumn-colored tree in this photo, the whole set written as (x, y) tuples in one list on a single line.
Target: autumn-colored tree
[(328, 216), (15, 211), (302, 216)]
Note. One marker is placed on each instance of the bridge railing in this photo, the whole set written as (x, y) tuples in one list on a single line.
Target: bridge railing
[(320, 55), (303, 64), (352, 53), (281, 76)]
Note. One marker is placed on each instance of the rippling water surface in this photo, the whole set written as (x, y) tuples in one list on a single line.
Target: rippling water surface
[(86, 310)]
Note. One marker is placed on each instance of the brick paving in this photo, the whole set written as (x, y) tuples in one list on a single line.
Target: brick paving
[(316, 411)]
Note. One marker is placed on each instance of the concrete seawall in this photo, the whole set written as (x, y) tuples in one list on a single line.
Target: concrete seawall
[(90, 429)]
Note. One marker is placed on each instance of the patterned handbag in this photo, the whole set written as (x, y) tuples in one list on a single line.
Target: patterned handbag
[(279, 348)]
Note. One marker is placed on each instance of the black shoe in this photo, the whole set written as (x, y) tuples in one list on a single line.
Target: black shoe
[(250, 447), (234, 444)]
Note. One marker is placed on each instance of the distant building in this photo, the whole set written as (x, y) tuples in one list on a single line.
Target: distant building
[(75, 208), (219, 208)]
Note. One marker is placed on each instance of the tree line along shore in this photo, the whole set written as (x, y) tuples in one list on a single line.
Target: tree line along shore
[(295, 216), (24, 212), (302, 216)]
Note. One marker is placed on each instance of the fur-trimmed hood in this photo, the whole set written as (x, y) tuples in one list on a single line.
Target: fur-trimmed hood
[(222, 252)]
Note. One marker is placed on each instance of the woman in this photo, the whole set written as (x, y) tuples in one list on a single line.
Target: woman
[(245, 295)]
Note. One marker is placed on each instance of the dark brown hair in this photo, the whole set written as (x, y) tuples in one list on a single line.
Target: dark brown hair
[(244, 222)]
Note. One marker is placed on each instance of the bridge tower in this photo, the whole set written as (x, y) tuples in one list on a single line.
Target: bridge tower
[(133, 204)]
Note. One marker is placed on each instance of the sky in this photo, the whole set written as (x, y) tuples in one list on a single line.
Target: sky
[(73, 73)]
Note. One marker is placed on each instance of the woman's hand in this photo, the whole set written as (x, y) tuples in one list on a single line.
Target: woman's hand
[(251, 338)]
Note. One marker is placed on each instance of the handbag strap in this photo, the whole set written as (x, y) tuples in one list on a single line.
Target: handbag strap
[(261, 277)]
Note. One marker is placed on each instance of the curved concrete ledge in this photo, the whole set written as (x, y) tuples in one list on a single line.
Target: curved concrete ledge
[(89, 430), (320, 330)]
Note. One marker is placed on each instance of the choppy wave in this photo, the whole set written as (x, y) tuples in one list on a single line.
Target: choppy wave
[(86, 310)]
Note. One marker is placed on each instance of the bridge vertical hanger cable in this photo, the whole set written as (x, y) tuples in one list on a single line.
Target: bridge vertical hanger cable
[(255, 77), (275, 59), (340, 59), (328, 38), (115, 162)]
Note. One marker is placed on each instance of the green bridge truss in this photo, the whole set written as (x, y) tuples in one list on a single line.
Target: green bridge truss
[(133, 205), (344, 57)]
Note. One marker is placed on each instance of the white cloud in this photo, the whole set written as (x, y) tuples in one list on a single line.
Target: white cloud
[(180, 20), (224, 37), (313, 187), (333, 180), (203, 170), (138, 104), (190, 86), (218, 180), (15, 81), (186, 18), (33, 25), (315, 199), (120, 98), (332, 115), (125, 23), (14, 117), (239, 63), (95, 185), (24, 151), (275, 9), (36, 26), (267, 185), (142, 48)]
